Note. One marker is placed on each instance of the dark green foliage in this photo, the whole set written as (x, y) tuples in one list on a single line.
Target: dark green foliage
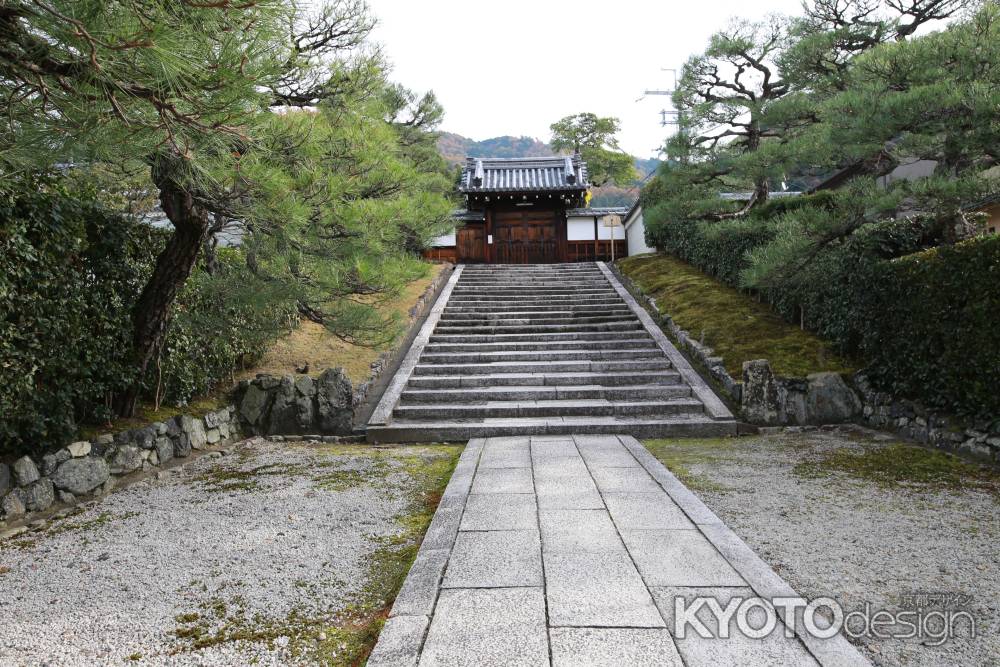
[(937, 331), (221, 322), (68, 270), (924, 319), (69, 274)]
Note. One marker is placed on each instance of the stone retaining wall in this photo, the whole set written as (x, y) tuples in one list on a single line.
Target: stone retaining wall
[(91, 467)]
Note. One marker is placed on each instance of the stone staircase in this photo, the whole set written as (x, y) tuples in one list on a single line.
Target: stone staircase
[(543, 349)]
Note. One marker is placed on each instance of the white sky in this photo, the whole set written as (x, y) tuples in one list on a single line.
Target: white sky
[(516, 66)]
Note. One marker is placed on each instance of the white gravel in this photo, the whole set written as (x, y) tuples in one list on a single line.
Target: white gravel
[(841, 536), (105, 586)]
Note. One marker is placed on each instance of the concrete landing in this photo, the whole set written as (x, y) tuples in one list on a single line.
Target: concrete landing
[(575, 550)]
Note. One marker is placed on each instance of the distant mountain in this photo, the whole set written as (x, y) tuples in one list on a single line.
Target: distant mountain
[(455, 148)]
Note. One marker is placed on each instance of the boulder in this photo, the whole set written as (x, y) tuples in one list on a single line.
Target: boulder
[(144, 438), (101, 444), (191, 428), (51, 461), (182, 445), (196, 436), (78, 449), (83, 475), (253, 407), (13, 505), (67, 498), (4, 479), (829, 400), (25, 471), (305, 392), (759, 398), (212, 435), (125, 459), (334, 402), (284, 419), (164, 449), (39, 495)]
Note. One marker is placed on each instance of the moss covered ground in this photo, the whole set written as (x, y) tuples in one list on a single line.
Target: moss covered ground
[(734, 324)]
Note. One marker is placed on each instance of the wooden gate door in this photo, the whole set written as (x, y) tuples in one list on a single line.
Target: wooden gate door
[(470, 244), (525, 237)]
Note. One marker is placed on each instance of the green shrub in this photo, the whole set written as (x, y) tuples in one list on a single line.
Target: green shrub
[(936, 331), (70, 272), (925, 322)]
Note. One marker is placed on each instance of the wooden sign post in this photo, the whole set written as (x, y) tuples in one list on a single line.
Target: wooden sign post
[(612, 221)]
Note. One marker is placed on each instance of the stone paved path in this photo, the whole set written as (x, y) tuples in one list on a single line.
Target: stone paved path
[(571, 550)]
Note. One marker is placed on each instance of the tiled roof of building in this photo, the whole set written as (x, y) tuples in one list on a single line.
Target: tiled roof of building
[(538, 174)]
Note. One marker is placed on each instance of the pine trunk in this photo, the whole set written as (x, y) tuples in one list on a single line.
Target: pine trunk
[(151, 312)]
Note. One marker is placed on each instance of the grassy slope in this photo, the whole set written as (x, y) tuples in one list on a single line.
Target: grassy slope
[(313, 343), (734, 325)]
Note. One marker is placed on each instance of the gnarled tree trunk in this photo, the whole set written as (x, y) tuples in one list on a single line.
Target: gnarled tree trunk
[(151, 312)]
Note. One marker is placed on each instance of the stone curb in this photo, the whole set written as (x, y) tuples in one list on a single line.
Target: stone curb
[(714, 406), (402, 637), (765, 582)]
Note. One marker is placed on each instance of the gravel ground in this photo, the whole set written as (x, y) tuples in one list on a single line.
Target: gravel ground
[(854, 515), (262, 557)]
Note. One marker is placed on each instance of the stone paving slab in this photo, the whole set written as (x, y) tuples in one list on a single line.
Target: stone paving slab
[(613, 647), (600, 589), (578, 531), (495, 559), (501, 626), (679, 558), (574, 550), (500, 511)]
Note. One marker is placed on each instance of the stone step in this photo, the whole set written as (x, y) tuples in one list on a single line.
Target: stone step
[(535, 282), (683, 425), (544, 355), (514, 292), (540, 346), (547, 408), (542, 367), (595, 337), (494, 301), (458, 312), (484, 319), (498, 329), (640, 392), (519, 309), (549, 378)]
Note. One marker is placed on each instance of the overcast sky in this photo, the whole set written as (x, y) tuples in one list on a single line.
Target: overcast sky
[(516, 66)]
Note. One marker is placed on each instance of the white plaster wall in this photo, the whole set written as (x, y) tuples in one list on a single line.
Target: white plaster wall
[(636, 235), (579, 229)]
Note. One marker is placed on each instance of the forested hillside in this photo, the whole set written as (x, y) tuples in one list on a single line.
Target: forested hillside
[(455, 148)]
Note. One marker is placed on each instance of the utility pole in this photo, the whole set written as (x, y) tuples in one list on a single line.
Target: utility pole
[(668, 116)]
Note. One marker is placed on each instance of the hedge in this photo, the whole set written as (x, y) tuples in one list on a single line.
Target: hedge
[(936, 333), (69, 274), (925, 322)]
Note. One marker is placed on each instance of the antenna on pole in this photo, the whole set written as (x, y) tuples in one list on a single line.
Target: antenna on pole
[(668, 116)]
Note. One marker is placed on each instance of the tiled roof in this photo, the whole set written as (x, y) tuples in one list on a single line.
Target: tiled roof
[(539, 174)]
